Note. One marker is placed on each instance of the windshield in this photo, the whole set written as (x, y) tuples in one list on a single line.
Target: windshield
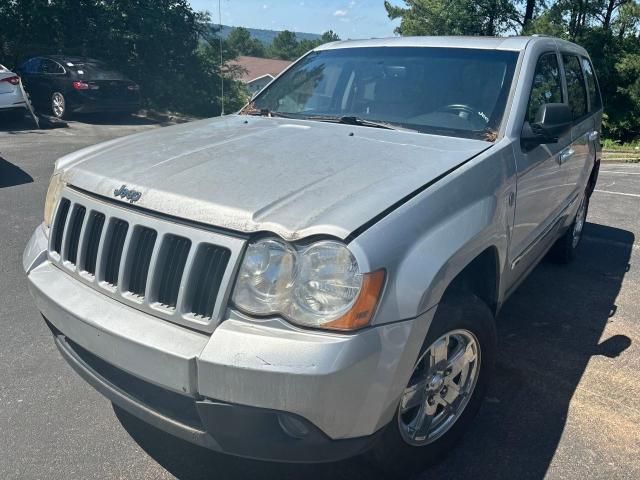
[(445, 91)]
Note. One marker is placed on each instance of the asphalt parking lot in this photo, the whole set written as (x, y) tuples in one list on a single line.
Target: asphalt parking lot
[(564, 404)]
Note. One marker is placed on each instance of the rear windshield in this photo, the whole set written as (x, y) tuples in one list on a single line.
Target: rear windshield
[(445, 91), (94, 71)]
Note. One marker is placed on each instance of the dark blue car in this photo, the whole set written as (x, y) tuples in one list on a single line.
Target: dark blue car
[(64, 85)]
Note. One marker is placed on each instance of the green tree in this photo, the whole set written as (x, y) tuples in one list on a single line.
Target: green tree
[(241, 42), (608, 29), (284, 46), (328, 36), (162, 44), (453, 17)]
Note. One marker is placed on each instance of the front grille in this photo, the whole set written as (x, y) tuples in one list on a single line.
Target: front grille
[(113, 251), (174, 257), (59, 225), (208, 271), (143, 249), (173, 271), (96, 223), (75, 227)]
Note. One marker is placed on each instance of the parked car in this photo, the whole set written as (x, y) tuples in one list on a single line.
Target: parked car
[(63, 85), (319, 275), (12, 101)]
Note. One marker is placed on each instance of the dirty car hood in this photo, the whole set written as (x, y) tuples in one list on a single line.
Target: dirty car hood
[(294, 178)]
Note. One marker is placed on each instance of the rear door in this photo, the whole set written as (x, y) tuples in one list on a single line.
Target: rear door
[(540, 188), (578, 159)]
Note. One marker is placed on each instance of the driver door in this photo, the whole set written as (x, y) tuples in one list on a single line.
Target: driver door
[(540, 181)]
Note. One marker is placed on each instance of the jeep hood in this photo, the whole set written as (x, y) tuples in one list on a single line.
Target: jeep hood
[(294, 178)]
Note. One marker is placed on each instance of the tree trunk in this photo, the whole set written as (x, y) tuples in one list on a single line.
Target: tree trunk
[(609, 13), (528, 12)]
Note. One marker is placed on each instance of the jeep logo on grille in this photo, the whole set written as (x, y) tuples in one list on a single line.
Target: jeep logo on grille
[(124, 192)]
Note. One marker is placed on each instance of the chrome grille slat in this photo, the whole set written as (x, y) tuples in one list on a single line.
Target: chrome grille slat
[(188, 269), (124, 257), (100, 254), (153, 265)]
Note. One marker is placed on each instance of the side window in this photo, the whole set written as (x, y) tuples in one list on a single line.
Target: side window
[(49, 66), (32, 66), (592, 85), (576, 89), (547, 87)]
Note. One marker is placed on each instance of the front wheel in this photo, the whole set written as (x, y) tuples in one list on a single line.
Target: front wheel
[(59, 105), (446, 388)]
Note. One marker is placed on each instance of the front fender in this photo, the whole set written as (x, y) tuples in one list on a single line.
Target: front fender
[(426, 242)]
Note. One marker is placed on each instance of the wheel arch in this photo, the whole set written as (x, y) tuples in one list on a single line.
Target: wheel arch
[(479, 277)]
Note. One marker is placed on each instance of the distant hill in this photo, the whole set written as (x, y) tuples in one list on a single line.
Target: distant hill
[(267, 36)]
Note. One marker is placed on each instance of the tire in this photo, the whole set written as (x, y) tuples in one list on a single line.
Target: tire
[(59, 106), (564, 250), (395, 452)]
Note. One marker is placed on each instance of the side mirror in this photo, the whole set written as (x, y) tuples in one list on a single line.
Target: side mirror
[(552, 121)]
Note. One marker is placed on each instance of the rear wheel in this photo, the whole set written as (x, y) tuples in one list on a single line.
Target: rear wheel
[(564, 250), (446, 387), (59, 105)]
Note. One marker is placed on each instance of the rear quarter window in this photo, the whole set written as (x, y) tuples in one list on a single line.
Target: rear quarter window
[(595, 100)]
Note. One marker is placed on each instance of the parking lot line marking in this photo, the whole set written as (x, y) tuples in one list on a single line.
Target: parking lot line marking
[(622, 173), (608, 241), (619, 193)]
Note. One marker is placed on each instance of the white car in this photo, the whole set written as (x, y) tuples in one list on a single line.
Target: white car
[(11, 97)]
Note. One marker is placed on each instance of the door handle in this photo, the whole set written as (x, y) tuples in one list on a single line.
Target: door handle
[(593, 136), (565, 155)]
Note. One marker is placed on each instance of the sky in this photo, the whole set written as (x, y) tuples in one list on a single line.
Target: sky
[(348, 18)]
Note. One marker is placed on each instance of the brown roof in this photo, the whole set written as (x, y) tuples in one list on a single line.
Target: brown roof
[(255, 67)]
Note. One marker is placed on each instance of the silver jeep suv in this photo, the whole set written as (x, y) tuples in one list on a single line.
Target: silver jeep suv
[(318, 275)]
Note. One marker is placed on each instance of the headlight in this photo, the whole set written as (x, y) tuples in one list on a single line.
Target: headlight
[(53, 193), (318, 285)]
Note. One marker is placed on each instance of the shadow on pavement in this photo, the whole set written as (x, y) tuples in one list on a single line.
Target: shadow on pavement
[(548, 331), (112, 119), (11, 175), (16, 122)]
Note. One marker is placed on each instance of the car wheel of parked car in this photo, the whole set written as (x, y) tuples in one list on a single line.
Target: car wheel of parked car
[(446, 387), (564, 250), (58, 105)]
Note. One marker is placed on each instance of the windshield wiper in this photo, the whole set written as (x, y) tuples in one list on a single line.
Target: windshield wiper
[(353, 120)]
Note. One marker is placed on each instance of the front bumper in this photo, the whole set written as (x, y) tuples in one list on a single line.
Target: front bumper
[(12, 100), (232, 390)]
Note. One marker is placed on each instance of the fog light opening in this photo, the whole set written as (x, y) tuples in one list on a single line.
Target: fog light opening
[(292, 426)]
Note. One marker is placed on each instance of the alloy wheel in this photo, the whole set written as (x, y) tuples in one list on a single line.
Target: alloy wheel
[(579, 223), (440, 387), (58, 104)]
